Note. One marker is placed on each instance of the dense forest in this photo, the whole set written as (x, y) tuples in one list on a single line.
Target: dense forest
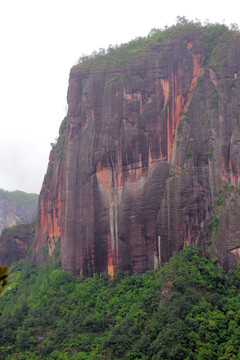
[(189, 309)]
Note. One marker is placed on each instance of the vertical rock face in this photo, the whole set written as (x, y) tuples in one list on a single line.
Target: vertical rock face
[(147, 159), (49, 207)]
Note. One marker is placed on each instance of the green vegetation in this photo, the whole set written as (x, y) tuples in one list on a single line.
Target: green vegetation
[(200, 81), (183, 113), (26, 229), (21, 198), (3, 277), (119, 56), (214, 100), (220, 48), (225, 214), (208, 154), (63, 126), (219, 201), (213, 224), (190, 150), (189, 309), (234, 84), (184, 119), (59, 144), (230, 188)]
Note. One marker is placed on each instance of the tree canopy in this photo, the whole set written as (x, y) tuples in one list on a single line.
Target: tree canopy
[(189, 309)]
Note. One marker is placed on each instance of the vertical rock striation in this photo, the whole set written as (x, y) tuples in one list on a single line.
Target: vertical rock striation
[(146, 148)]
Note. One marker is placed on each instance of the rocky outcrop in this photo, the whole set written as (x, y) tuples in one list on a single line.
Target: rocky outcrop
[(17, 207), (147, 159), (16, 242)]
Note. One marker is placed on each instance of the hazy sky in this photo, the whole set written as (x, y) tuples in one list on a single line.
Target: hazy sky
[(41, 40)]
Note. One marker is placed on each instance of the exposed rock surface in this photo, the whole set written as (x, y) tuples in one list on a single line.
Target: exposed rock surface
[(15, 243), (143, 157), (17, 207)]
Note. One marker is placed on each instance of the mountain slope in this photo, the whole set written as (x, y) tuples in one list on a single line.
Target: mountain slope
[(16, 207), (16, 242)]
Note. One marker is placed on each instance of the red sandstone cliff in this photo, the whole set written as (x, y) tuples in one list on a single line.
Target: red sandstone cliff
[(147, 159)]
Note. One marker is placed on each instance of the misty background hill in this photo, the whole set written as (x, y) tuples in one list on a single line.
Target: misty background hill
[(16, 207)]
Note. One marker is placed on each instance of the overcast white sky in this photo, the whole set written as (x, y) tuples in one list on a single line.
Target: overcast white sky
[(41, 40)]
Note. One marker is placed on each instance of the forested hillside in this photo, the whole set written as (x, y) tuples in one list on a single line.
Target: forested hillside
[(189, 309)]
